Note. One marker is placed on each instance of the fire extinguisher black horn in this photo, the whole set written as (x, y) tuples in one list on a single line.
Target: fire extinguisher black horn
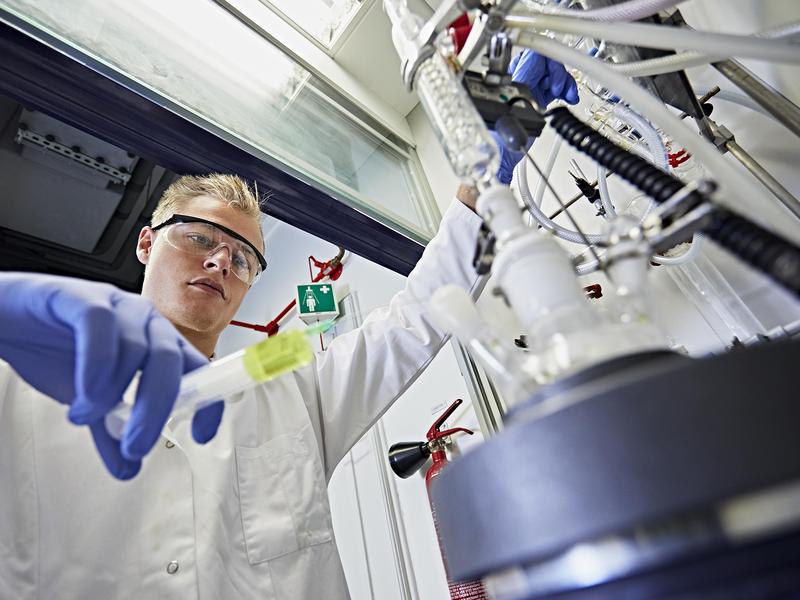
[(406, 458)]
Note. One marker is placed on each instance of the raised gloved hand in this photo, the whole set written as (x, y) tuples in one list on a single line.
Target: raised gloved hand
[(81, 343), (548, 80)]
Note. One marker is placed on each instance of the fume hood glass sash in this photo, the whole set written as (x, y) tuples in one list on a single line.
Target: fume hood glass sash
[(194, 58)]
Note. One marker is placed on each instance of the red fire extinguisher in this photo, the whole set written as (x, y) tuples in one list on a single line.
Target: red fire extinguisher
[(406, 458)]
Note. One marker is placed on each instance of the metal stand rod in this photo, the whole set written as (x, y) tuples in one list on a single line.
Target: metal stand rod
[(773, 185), (575, 198), (770, 99), (703, 99), (569, 203)]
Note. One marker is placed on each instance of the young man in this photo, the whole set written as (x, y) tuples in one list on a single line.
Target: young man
[(245, 515), (242, 515)]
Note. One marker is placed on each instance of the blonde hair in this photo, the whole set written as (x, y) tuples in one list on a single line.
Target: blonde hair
[(231, 189)]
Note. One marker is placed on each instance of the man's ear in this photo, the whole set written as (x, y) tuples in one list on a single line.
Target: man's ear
[(144, 246)]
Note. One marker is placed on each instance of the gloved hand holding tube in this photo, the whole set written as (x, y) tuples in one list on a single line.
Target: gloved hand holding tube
[(230, 375), (81, 343), (548, 80)]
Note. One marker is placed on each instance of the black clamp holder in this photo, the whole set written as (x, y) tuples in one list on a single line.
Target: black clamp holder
[(484, 250), (497, 100)]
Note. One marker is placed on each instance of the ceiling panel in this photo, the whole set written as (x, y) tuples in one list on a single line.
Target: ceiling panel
[(368, 54)]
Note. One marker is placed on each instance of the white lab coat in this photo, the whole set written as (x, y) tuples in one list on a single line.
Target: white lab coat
[(245, 516)]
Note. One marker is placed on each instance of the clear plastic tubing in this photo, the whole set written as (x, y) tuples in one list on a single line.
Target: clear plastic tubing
[(546, 222), (666, 38), (633, 10), (652, 140), (735, 188), (685, 60), (698, 239), (226, 377), (548, 170), (664, 64)]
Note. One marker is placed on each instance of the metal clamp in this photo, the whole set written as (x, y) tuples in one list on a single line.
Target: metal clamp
[(423, 45), (676, 204), (721, 136), (494, 23), (412, 63), (499, 53), (682, 215), (683, 228), (725, 141)]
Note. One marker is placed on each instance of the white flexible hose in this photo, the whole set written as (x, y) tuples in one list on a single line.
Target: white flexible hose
[(548, 169), (664, 64), (735, 188), (686, 60), (667, 38), (781, 31), (655, 146), (652, 139), (544, 221), (741, 100), (633, 10), (697, 242), (605, 197), (658, 153), (589, 266), (660, 159)]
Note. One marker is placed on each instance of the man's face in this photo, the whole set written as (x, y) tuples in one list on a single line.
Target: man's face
[(196, 293)]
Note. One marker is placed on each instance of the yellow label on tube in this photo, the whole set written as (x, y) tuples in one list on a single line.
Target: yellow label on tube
[(277, 355)]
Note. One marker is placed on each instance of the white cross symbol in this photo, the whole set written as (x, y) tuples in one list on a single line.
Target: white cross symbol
[(324, 289)]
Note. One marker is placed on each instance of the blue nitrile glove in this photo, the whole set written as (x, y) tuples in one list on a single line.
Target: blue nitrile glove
[(82, 342), (508, 158), (548, 80)]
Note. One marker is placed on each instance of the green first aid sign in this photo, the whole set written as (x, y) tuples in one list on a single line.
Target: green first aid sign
[(316, 299)]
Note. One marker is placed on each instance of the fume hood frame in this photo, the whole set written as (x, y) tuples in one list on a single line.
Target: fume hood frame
[(45, 74)]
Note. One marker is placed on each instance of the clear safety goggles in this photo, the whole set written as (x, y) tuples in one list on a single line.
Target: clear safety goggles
[(199, 237)]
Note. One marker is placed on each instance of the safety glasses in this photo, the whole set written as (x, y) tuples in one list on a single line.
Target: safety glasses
[(199, 237)]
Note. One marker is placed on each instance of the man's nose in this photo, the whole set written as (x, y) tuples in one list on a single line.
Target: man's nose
[(219, 260)]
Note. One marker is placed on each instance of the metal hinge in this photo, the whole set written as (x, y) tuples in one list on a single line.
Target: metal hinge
[(26, 136)]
